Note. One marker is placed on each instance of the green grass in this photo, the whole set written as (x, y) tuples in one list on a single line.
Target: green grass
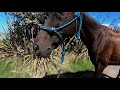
[(11, 67), (79, 65), (7, 67)]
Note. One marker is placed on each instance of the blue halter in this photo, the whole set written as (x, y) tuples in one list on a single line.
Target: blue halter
[(56, 31)]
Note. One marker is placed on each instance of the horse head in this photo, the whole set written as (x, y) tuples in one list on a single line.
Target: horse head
[(56, 28)]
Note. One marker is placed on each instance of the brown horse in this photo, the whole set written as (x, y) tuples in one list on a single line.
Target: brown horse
[(102, 43)]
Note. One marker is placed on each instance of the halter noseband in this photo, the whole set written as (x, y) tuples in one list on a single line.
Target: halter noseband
[(56, 31)]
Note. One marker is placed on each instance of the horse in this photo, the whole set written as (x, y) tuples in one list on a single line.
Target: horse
[(102, 43)]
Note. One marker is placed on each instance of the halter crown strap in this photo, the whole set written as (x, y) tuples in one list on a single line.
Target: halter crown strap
[(78, 15)]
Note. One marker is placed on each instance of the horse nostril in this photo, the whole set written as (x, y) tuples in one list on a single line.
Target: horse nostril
[(48, 49), (36, 47)]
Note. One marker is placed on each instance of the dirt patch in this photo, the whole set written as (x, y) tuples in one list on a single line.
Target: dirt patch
[(112, 70)]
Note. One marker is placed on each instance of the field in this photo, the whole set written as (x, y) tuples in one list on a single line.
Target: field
[(13, 67)]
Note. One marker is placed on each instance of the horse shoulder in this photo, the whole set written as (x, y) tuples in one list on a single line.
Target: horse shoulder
[(103, 44)]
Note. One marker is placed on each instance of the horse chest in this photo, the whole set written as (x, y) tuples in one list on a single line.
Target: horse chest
[(115, 59)]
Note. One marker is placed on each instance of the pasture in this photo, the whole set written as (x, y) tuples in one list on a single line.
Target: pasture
[(13, 67)]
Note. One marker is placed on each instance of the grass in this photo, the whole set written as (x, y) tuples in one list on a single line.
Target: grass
[(11, 67), (78, 65), (7, 68)]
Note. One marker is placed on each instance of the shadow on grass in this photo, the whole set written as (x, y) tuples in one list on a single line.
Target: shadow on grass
[(80, 74)]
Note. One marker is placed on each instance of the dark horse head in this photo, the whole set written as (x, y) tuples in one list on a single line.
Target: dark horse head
[(46, 41)]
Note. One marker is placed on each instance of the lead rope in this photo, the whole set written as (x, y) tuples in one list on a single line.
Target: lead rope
[(62, 58), (77, 14), (78, 37), (58, 70)]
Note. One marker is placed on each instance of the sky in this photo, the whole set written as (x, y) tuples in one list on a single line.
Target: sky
[(3, 23), (105, 18)]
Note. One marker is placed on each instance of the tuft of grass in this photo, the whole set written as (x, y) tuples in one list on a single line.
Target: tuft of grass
[(16, 67), (7, 68), (80, 64)]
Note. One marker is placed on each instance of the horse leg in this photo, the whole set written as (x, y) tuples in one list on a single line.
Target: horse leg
[(99, 69)]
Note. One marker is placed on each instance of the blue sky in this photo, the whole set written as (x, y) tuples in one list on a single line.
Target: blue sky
[(3, 22), (99, 16), (106, 18)]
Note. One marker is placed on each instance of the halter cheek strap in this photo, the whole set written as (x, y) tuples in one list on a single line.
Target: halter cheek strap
[(78, 28), (77, 18)]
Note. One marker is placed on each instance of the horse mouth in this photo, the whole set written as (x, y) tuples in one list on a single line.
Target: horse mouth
[(43, 55)]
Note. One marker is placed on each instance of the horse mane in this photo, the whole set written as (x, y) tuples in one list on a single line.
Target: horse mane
[(102, 32), (90, 18)]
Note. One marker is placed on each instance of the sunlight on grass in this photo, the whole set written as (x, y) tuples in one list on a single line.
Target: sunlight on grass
[(15, 68), (78, 65), (7, 65)]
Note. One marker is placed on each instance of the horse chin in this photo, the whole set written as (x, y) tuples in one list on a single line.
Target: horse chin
[(46, 55)]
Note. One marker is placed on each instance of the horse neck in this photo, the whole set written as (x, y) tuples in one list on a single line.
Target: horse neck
[(90, 27)]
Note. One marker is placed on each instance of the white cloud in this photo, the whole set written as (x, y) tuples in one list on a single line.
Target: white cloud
[(118, 24), (106, 24), (94, 16)]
